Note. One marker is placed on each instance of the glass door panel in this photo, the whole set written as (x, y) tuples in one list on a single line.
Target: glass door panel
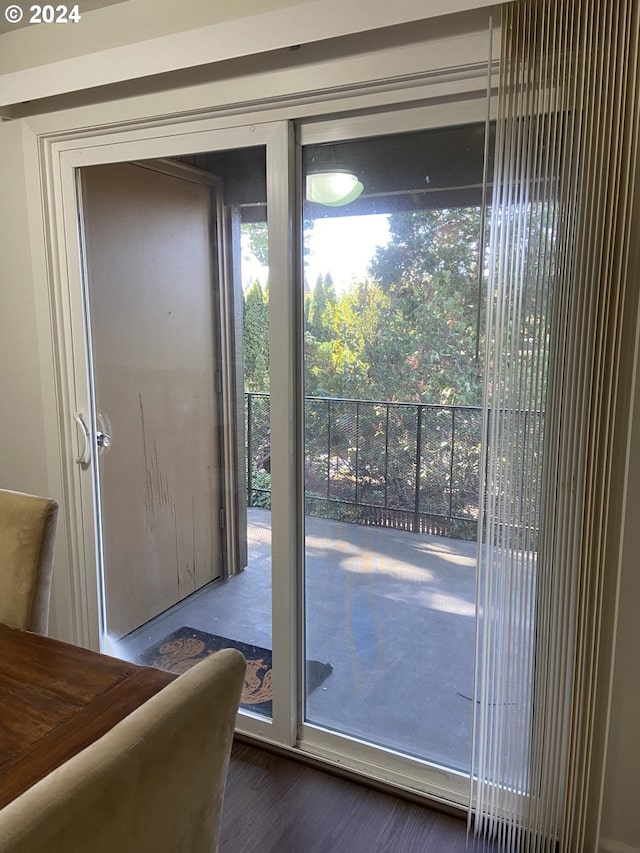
[(392, 420)]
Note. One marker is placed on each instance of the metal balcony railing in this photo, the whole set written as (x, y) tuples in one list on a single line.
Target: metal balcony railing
[(406, 466)]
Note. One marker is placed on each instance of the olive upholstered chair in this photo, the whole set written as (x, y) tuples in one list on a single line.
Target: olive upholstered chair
[(27, 535), (154, 783)]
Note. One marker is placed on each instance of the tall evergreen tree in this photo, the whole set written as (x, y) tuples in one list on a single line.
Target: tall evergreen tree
[(320, 309), (424, 347), (256, 339)]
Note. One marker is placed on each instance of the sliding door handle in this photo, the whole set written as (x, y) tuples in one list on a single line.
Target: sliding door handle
[(85, 454), (103, 439)]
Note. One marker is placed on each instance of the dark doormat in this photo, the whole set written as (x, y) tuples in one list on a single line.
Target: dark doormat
[(184, 647)]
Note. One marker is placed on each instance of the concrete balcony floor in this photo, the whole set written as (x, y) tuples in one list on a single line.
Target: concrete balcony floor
[(392, 612)]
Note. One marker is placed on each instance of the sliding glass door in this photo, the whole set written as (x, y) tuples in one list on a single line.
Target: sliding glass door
[(393, 379), (178, 278), (346, 382)]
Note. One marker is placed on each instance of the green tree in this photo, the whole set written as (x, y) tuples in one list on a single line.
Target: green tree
[(256, 339), (424, 347), (320, 308), (338, 362), (407, 334)]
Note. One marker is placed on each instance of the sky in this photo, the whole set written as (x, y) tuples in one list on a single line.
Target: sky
[(342, 246)]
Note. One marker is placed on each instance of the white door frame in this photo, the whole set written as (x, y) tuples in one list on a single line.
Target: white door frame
[(54, 212), (75, 364)]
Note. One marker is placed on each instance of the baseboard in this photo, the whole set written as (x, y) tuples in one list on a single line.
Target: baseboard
[(607, 845)]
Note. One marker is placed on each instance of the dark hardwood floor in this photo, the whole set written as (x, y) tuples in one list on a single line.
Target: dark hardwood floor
[(276, 805)]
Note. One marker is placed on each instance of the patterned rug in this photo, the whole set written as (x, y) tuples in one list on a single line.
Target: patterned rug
[(184, 647)]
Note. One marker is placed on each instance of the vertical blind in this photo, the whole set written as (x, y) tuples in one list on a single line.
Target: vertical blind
[(561, 218)]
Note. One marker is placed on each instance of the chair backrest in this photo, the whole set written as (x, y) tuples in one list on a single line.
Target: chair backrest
[(153, 784), (27, 536)]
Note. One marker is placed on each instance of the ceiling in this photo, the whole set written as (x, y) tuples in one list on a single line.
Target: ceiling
[(421, 170)]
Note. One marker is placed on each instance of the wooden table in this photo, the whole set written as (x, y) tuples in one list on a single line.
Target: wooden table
[(56, 699)]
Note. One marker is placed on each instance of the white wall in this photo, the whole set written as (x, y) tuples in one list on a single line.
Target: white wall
[(27, 446), (144, 37), (23, 463)]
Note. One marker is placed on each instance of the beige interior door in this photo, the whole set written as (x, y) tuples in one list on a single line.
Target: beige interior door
[(150, 279)]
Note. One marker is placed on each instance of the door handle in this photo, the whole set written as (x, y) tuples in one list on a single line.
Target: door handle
[(85, 455), (103, 439)]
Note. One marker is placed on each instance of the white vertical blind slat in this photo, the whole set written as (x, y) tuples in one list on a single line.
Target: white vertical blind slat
[(566, 143)]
